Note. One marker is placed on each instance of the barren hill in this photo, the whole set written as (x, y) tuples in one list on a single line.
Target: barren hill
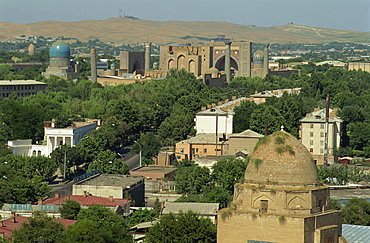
[(125, 31)]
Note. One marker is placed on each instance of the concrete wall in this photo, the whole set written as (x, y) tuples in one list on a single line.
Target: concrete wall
[(99, 191), (207, 123), (237, 144)]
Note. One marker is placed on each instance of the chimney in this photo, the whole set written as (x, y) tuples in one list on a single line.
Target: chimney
[(220, 103), (111, 198), (203, 109), (56, 195), (316, 109), (233, 98), (227, 100), (39, 202)]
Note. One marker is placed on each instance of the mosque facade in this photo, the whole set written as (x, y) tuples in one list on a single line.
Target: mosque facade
[(60, 64), (281, 199), (204, 59)]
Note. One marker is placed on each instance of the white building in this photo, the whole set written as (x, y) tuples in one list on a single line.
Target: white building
[(312, 133), (54, 138), (217, 118)]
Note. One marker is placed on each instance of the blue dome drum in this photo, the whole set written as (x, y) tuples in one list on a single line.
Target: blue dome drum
[(59, 54)]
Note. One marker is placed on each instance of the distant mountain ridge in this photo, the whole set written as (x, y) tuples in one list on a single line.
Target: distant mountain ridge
[(126, 31)]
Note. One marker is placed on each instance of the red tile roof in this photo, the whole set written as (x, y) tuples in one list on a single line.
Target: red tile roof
[(10, 225), (87, 201)]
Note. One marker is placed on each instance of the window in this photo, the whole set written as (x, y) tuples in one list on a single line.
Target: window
[(322, 126), (321, 142), (311, 150), (311, 142), (196, 150), (182, 150), (322, 134), (321, 151), (311, 134), (205, 151), (311, 125), (264, 206)]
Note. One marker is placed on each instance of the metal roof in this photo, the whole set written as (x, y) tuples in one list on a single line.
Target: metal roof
[(356, 233)]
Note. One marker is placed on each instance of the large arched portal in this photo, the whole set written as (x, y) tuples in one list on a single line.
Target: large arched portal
[(137, 68), (220, 64), (181, 62), (171, 64), (192, 67)]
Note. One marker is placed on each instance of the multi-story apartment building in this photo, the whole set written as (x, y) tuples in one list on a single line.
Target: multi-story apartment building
[(312, 134)]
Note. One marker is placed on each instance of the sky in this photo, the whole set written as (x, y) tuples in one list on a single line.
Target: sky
[(333, 14)]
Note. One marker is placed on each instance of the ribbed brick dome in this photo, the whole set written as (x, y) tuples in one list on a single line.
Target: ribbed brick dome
[(283, 160)]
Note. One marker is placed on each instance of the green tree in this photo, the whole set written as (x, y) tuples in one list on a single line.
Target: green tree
[(266, 115), (112, 224), (69, 209), (241, 121), (356, 211), (142, 215), (150, 145), (87, 230), (227, 172), (192, 179), (359, 135), (107, 163), (39, 229), (186, 227)]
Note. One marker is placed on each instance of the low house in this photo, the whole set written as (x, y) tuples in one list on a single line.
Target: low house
[(116, 186), (263, 95), (15, 222), (209, 210), (154, 172), (215, 145), (345, 160), (119, 206)]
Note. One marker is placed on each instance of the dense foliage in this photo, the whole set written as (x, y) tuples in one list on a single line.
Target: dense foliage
[(341, 175), (200, 185), (186, 227)]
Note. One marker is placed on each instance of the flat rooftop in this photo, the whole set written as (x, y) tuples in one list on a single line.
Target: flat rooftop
[(20, 82), (156, 168), (112, 180)]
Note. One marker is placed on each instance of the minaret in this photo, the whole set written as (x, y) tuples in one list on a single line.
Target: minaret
[(94, 76), (266, 60), (227, 61), (249, 60), (147, 56)]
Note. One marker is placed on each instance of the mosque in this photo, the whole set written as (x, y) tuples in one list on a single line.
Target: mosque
[(60, 64), (281, 199)]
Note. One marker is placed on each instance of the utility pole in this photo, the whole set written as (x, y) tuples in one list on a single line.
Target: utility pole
[(140, 151), (326, 152), (65, 163)]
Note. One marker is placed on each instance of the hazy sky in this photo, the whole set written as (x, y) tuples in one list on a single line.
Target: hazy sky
[(335, 14)]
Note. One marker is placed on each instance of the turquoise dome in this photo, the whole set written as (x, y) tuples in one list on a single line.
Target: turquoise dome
[(59, 49)]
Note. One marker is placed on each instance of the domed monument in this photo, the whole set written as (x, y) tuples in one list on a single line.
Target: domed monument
[(60, 64), (281, 199)]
